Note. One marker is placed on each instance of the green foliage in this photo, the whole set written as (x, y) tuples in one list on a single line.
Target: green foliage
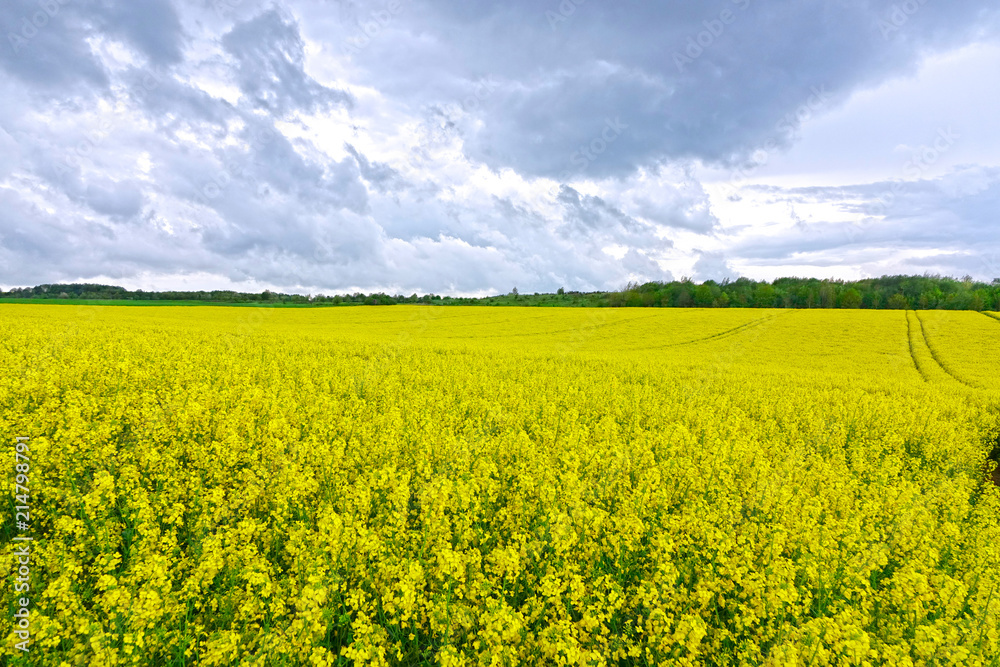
[(851, 298), (899, 292), (898, 302)]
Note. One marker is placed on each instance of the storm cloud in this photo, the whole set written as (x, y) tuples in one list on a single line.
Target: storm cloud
[(414, 146)]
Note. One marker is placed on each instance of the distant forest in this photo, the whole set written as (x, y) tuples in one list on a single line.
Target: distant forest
[(888, 292)]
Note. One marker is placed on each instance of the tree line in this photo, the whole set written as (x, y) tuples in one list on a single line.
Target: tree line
[(888, 292)]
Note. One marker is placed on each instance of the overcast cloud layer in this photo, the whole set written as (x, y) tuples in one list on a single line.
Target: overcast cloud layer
[(465, 148)]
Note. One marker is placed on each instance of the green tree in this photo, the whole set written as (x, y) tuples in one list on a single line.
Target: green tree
[(703, 296), (827, 297), (851, 298), (764, 296), (978, 301), (898, 302)]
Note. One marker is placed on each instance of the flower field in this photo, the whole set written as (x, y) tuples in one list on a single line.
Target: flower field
[(507, 486)]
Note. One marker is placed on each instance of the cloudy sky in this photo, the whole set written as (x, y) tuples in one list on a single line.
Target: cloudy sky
[(470, 147)]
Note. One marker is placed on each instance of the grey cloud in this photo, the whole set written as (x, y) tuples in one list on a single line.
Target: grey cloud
[(36, 246), (272, 199), (151, 26), (678, 201), (46, 42), (173, 104), (592, 215), (954, 213), (270, 53), (610, 59), (380, 175), (713, 266), (115, 200), (47, 50), (186, 181), (639, 264)]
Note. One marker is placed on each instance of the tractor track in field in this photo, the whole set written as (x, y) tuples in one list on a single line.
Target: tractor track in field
[(585, 326), (934, 355), (729, 332), (909, 341), (992, 316)]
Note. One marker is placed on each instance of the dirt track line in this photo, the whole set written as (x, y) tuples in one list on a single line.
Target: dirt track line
[(913, 355), (728, 332), (587, 327), (995, 318), (934, 355)]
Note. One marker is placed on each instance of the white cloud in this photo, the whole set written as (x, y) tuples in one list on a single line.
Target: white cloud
[(467, 148)]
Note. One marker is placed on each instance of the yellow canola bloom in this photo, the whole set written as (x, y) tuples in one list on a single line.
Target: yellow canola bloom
[(473, 486)]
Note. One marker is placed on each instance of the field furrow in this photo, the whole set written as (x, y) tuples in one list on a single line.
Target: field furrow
[(916, 341), (965, 344)]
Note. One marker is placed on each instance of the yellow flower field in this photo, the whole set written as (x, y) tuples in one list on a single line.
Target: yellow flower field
[(489, 486)]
